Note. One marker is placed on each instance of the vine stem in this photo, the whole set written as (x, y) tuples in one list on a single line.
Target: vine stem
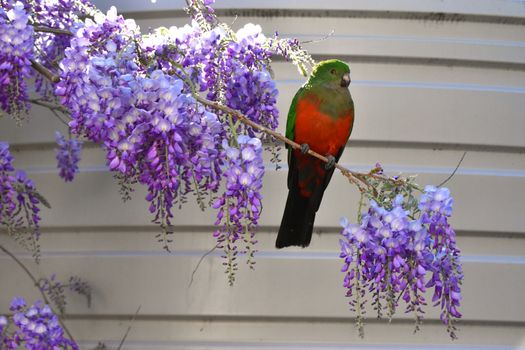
[(49, 105), (200, 261), (454, 172), (44, 29), (35, 281), (129, 328), (44, 71)]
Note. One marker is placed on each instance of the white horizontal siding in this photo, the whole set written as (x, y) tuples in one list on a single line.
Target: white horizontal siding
[(430, 80), (283, 334), (506, 8), (307, 285)]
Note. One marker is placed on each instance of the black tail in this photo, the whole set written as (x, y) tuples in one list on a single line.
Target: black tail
[(298, 221)]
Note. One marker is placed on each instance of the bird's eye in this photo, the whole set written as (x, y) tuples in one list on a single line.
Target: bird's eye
[(333, 72)]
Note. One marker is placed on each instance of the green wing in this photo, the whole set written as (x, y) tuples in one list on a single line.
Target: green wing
[(292, 115)]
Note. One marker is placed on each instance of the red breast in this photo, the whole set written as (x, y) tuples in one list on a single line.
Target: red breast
[(323, 133)]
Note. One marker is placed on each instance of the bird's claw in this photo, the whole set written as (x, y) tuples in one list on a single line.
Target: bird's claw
[(330, 162), (305, 148)]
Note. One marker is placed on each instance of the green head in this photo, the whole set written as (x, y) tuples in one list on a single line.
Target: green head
[(331, 72)]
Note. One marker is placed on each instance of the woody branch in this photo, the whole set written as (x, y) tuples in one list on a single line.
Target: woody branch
[(359, 179)]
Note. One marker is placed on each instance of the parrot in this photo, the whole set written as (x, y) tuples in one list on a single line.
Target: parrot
[(321, 118)]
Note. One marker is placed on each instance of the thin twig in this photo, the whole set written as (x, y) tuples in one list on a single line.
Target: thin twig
[(318, 40), (45, 29), (401, 294), (59, 117), (35, 282), (129, 328), (234, 20), (200, 261), (49, 105), (454, 172), (52, 77)]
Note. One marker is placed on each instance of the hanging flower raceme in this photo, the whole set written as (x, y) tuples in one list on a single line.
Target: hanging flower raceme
[(33, 327), (396, 257), (436, 208), (68, 156), (25, 25), (62, 15), (16, 52), (240, 205), (19, 203), (178, 148), (153, 130), (95, 74), (251, 89), (254, 94)]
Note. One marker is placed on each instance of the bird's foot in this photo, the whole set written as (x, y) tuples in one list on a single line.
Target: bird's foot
[(305, 148), (330, 163)]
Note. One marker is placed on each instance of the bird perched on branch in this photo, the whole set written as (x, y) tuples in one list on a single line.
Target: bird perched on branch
[(321, 117)]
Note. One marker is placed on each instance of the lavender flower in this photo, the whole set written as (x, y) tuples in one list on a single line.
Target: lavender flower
[(240, 205), (16, 52), (397, 257), (34, 327), (6, 158), (68, 156), (19, 203), (63, 14), (3, 324), (152, 129), (231, 67), (18, 42)]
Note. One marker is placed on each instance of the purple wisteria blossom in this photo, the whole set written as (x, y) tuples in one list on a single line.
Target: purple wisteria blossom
[(436, 207), (146, 116), (203, 12), (33, 327), (19, 38), (152, 128), (19, 203), (232, 67), (240, 205), (65, 15), (16, 52), (394, 257), (68, 156)]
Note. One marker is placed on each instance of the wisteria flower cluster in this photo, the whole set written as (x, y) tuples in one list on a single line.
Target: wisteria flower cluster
[(68, 156), (25, 25), (62, 15), (232, 67), (34, 327), (19, 203), (16, 52), (240, 205), (138, 100), (394, 256), (153, 130)]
